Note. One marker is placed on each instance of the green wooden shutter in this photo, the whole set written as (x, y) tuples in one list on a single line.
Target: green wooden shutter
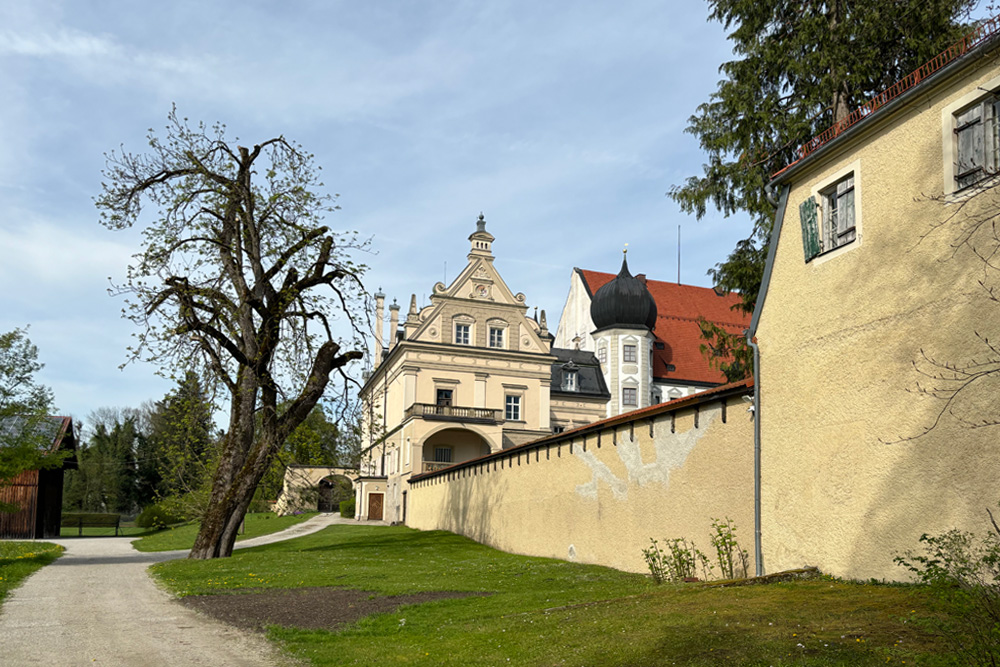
[(810, 227)]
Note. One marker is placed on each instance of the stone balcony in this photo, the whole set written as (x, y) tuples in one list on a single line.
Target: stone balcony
[(455, 413)]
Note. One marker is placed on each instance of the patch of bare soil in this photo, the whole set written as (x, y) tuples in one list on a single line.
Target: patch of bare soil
[(317, 608)]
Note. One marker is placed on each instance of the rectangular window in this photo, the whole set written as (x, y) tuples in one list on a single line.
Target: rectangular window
[(462, 334), (630, 353), (838, 218), (558, 429), (442, 454), (977, 143), (630, 396), (569, 380), (602, 355), (444, 397), (496, 337), (512, 408)]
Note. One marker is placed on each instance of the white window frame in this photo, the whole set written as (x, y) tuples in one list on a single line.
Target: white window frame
[(463, 328), (634, 350), (837, 214), (497, 338), (602, 354), (571, 380), (512, 408), (819, 191), (634, 392)]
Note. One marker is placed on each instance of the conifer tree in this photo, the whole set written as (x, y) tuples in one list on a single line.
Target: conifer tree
[(799, 67)]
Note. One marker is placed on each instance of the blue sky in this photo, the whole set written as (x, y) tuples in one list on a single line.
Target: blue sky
[(562, 122)]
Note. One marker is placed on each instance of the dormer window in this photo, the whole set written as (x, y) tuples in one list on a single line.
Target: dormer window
[(570, 380)]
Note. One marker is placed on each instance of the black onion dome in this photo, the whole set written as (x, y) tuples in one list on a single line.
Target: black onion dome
[(624, 302)]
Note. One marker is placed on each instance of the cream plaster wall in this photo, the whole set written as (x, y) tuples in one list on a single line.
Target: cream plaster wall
[(843, 487), (599, 499)]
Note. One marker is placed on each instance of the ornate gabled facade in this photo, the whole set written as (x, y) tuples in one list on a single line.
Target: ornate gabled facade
[(465, 376)]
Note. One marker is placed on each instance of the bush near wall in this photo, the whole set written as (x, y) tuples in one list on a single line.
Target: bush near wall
[(156, 516), (347, 509)]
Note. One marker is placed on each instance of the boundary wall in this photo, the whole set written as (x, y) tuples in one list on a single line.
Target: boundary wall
[(597, 494)]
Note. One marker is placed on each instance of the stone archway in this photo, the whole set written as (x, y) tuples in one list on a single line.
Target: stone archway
[(332, 490), (303, 484)]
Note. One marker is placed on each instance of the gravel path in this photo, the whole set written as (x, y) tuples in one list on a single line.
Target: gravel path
[(96, 605)]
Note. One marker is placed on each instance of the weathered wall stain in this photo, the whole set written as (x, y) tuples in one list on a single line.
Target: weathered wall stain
[(672, 450)]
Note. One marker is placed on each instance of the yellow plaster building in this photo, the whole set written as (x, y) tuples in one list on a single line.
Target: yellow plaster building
[(465, 376), (874, 285)]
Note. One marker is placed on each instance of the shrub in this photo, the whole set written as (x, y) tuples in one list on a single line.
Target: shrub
[(734, 562), (964, 572), (679, 562), (347, 508), (156, 516)]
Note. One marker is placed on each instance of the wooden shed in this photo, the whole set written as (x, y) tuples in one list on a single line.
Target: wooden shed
[(38, 493)]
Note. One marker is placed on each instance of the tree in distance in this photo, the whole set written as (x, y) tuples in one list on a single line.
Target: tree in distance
[(236, 279), (24, 409), (800, 67)]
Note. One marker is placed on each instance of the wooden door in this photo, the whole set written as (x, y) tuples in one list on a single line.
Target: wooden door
[(375, 506)]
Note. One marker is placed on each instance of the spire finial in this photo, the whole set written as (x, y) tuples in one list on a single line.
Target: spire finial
[(625, 251), (481, 223)]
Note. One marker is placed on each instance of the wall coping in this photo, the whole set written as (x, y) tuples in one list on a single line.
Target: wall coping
[(721, 393)]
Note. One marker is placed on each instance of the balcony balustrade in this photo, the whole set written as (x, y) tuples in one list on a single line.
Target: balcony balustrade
[(431, 466), (454, 413)]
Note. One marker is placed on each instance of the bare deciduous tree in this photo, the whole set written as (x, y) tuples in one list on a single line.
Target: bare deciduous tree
[(237, 278)]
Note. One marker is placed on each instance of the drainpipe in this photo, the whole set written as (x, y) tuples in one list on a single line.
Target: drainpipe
[(769, 195), (758, 549)]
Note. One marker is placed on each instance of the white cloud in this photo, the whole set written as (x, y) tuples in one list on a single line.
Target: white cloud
[(63, 43)]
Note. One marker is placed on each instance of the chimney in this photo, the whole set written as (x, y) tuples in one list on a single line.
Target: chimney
[(641, 277), (379, 343), (393, 324)]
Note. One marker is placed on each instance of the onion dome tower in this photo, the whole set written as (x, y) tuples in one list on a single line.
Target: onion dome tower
[(625, 302), (624, 315)]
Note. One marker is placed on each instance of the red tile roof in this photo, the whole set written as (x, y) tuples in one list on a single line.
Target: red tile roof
[(679, 307)]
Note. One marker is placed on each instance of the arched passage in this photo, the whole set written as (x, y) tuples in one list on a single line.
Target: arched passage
[(452, 445), (333, 489)]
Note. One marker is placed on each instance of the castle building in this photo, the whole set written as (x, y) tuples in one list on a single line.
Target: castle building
[(467, 375), (645, 334)]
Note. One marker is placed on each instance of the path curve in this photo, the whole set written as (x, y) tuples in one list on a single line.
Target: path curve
[(97, 605)]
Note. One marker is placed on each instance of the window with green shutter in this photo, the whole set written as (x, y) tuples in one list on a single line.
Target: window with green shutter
[(810, 228)]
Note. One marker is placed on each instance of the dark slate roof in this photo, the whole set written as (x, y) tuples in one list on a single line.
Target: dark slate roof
[(589, 378), (623, 302)]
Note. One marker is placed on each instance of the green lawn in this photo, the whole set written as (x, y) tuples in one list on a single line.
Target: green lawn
[(549, 612), (19, 559), (182, 537)]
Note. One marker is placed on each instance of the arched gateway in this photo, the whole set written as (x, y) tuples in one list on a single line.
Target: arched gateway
[(312, 488)]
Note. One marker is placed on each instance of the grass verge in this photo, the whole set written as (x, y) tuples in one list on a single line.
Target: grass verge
[(549, 612), (20, 559), (182, 536)]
